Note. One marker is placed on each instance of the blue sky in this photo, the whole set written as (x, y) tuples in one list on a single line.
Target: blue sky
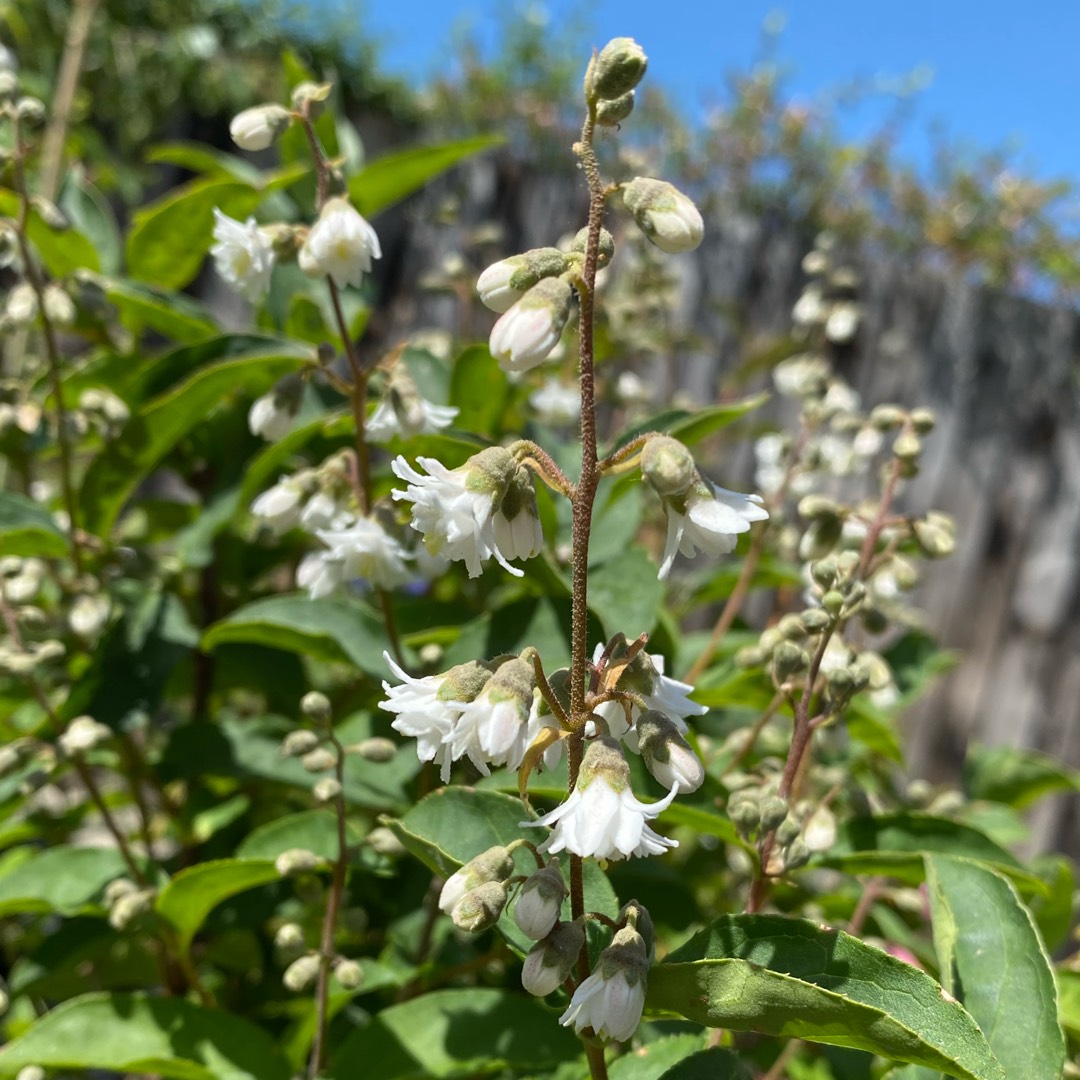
[(1003, 74)]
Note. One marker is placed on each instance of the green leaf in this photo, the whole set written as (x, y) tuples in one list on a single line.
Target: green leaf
[(190, 896), (894, 845), (1015, 776), (455, 1033), (176, 316), (791, 978), (89, 211), (63, 251), (27, 528), (1054, 912), (714, 1063), (691, 427), (1068, 986), (625, 594), (333, 630), (654, 1059), (60, 880), (392, 178), (312, 830), (479, 388), (992, 958), (204, 159), (169, 238), (449, 826), (152, 432), (135, 1033)]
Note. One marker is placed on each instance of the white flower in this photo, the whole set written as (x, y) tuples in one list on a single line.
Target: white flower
[(83, 734), (842, 323), (243, 255), (556, 402), (257, 128), (341, 245), (364, 549), (551, 960), (611, 999), (530, 330), (322, 511), (809, 309), (602, 818), (455, 511), (667, 755), (319, 574), (540, 901), (710, 520), (494, 287), (22, 304), (405, 415), (270, 417), (279, 506), (454, 889), (89, 613), (664, 214)]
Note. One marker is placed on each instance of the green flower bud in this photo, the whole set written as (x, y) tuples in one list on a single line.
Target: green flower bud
[(749, 656), (311, 96), (319, 760), (824, 572), (923, 420), (298, 743), (664, 214), (744, 809), (611, 112), (378, 749), (480, 908), (833, 602), (791, 627), (289, 938), (349, 974), (326, 790), (302, 973), (787, 831), (296, 861), (668, 466), (774, 810), (820, 538), (885, 417), (788, 660), (935, 535), (814, 620), (316, 706), (605, 251), (797, 854), (907, 445), (818, 506), (616, 70)]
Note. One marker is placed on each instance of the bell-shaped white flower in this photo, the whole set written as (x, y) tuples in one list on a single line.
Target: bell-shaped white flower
[(366, 550), (279, 506), (710, 518), (539, 902), (427, 708), (611, 999), (461, 512), (664, 214), (323, 511), (340, 245), (551, 960), (601, 818), (530, 330), (319, 574), (403, 413), (268, 419), (258, 127), (492, 728), (243, 255)]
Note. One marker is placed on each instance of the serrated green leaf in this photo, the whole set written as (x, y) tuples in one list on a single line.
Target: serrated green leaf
[(478, 389), (190, 896), (792, 978), (894, 844), (392, 178), (334, 630), (152, 432), (136, 1033), (455, 1033), (27, 528), (60, 880), (1015, 776), (992, 958)]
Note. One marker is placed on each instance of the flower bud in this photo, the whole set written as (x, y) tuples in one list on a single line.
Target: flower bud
[(605, 250), (480, 908), (773, 811), (819, 833), (289, 937), (791, 628), (31, 112), (797, 854), (385, 842), (936, 535), (299, 743), (319, 760), (818, 506), (539, 901), (664, 214), (22, 305), (550, 961), (611, 112), (787, 832), (58, 306), (257, 128), (495, 864), (788, 660), (378, 749), (667, 755), (745, 811), (309, 97), (820, 538), (302, 973), (616, 70), (30, 1072), (833, 602), (529, 330), (83, 734), (129, 907), (668, 466), (326, 790), (349, 974), (814, 620), (296, 861), (316, 706), (923, 420), (884, 417), (907, 445)]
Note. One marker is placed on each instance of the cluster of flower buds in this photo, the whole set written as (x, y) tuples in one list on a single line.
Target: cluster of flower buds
[(485, 508), (475, 895), (482, 711), (700, 514), (760, 811), (828, 302)]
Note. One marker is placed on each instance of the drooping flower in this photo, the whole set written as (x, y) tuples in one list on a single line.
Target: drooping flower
[(403, 412), (366, 550), (530, 330), (427, 708), (272, 415), (538, 903), (551, 960), (664, 214), (340, 245), (470, 513), (611, 999), (243, 255), (601, 817), (279, 506)]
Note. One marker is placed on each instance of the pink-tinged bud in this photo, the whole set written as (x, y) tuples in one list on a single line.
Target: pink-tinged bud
[(664, 214), (257, 128), (527, 333)]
